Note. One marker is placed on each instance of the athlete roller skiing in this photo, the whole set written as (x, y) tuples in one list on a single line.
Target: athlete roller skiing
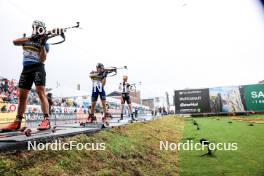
[(125, 87), (35, 51), (99, 80)]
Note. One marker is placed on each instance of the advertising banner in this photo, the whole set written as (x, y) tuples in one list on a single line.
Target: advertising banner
[(254, 97), (226, 99), (220, 99), (192, 101)]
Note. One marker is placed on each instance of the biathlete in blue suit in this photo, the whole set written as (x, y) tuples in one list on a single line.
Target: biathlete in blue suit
[(99, 80)]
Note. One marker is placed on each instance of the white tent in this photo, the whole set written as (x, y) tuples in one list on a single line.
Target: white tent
[(67, 92)]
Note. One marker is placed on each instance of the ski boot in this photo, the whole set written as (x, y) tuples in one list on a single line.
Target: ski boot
[(91, 118), (122, 117), (45, 124), (133, 118), (105, 120), (14, 126)]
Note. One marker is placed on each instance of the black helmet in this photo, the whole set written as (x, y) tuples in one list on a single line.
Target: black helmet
[(100, 65)]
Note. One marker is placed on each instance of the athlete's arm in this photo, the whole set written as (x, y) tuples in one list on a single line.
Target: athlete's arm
[(104, 82), (42, 54), (93, 75), (104, 78), (21, 41)]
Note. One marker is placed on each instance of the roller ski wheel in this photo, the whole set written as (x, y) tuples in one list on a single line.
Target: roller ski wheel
[(28, 132), (53, 129), (22, 129)]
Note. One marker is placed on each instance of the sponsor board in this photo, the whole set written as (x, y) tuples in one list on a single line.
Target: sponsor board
[(220, 99), (226, 99), (254, 97), (192, 101)]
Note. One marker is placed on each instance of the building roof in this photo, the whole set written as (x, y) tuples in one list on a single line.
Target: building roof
[(114, 94)]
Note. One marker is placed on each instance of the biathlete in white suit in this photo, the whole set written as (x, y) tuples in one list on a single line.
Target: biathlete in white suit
[(125, 89)]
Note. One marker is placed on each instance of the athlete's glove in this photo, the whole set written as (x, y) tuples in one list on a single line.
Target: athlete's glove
[(40, 39)]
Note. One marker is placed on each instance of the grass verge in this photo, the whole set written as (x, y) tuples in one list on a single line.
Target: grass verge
[(130, 150)]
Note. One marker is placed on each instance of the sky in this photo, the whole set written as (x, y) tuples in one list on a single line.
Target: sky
[(166, 44)]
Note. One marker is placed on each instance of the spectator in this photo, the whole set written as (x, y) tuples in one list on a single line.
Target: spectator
[(9, 94)]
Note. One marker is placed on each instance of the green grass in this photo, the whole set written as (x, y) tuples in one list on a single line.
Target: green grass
[(130, 150), (248, 160)]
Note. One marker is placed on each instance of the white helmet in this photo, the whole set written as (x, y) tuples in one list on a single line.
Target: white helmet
[(38, 24)]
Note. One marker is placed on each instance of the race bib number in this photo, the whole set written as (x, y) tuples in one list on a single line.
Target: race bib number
[(97, 85)]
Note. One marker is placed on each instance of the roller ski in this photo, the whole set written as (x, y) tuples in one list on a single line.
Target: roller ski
[(91, 119), (18, 132), (121, 117), (133, 118), (43, 128), (91, 122), (123, 120), (28, 132), (105, 123), (12, 127)]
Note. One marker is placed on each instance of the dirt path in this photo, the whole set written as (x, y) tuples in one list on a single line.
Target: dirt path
[(249, 120)]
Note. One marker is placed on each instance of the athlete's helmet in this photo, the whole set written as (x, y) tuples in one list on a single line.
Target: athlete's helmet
[(38, 24), (100, 65)]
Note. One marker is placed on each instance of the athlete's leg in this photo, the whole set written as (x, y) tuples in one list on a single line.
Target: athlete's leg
[(91, 116), (130, 108), (104, 106), (45, 124), (93, 107), (25, 83), (122, 106), (94, 99), (40, 82), (43, 100), (128, 100), (22, 102), (106, 114), (122, 110), (103, 99)]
